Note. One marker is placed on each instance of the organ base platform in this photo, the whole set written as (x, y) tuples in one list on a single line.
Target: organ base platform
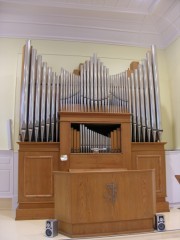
[(104, 202)]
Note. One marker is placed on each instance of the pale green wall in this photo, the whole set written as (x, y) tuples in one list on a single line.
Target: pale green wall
[(172, 54), (68, 55), (9, 49)]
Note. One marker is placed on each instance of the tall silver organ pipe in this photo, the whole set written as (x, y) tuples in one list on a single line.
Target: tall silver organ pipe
[(45, 93), (32, 94), (38, 97), (156, 89), (25, 91)]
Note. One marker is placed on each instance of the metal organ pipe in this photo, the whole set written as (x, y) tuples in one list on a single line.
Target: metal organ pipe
[(156, 89), (147, 100), (43, 101), (45, 93), (25, 91), (142, 102), (32, 94)]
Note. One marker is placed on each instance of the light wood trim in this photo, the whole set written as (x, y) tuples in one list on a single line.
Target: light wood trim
[(39, 146)]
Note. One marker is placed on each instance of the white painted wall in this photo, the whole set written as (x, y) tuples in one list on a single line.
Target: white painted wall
[(172, 54)]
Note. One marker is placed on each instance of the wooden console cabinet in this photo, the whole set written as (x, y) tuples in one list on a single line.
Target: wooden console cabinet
[(104, 202)]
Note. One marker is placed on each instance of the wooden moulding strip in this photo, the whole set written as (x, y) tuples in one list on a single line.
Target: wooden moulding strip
[(34, 213), (39, 146), (94, 117), (147, 146)]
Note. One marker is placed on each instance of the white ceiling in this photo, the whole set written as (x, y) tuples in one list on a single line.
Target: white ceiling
[(129, 22)]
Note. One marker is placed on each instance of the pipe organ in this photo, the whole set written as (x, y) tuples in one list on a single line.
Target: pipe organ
[(84, 123), (45, 93)]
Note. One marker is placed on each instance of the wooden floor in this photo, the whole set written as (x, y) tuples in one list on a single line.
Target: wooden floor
[(35, 229)]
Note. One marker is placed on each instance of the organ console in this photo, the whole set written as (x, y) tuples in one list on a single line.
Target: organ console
[(87, 119)]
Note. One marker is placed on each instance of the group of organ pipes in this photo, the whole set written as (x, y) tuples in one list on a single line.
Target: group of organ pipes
[(45, 93), (91, 138)]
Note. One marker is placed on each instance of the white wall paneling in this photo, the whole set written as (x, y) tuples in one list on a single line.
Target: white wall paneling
[(6, 174), (172, 169)]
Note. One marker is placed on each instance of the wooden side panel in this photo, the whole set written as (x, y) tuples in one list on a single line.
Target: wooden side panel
[(36, 176), (149, 161), (62, 186), (152, 156), (35, 182)]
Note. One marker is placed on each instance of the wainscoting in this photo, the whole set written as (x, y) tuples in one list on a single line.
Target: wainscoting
[(173, 170), (6, 174), (8, 179)]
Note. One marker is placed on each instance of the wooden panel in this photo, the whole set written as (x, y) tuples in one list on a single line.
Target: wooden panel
[(151, 162), (101, 201), (152, 156), (92, 191), (62, 188), (80, 161), (38, 178), (35, 182)]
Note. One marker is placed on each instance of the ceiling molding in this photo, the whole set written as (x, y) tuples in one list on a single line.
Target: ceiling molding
[(129, 22)]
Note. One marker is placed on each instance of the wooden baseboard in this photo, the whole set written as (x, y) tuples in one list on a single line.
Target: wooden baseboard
[(35, 213), (106, 228)]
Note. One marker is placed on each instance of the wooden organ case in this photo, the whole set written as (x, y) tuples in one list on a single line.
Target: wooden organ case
[(96, 165), (96, 193)]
